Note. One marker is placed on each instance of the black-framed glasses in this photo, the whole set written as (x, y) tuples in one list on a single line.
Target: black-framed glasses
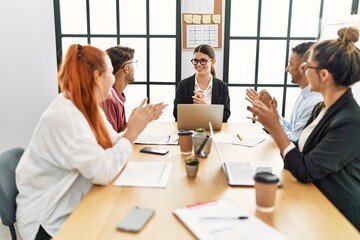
[(202, 61), (306, 65)]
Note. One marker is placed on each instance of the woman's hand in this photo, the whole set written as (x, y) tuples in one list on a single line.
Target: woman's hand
[(139, 119), (268, 117), (199, 97)]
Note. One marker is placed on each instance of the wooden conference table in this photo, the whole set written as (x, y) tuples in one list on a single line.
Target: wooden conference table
[(301, 210)]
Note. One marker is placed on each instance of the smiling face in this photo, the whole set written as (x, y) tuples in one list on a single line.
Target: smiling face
[(294, 68), (203, 69), (312, 73), (106, 80)]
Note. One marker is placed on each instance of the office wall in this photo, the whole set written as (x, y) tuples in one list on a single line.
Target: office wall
[(27, 66)]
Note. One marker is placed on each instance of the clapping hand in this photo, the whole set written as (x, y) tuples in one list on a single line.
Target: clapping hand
[(199, 97)]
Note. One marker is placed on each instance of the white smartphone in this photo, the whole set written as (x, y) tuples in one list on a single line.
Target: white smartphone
[(136, 219)]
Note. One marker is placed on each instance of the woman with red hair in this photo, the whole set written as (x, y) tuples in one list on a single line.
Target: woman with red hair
[(73, 146)]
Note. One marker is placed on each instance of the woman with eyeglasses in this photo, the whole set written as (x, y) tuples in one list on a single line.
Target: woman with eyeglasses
[(328, 150), (203, 87), (73, 145)]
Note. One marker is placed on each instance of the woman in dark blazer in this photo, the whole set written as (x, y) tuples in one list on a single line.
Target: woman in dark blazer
[(328, 150), (203, 87)]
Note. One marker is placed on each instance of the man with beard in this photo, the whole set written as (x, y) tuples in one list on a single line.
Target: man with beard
[(306, 100)]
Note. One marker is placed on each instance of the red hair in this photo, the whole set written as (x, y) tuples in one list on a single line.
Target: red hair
[(78, 83)]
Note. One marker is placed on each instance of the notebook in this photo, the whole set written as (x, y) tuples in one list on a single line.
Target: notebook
[(193, 116)]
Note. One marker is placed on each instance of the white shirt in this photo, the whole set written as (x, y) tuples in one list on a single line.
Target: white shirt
[(207, 91), (355, 88), (309, 129), (305, 134), (301, 113), (61, 163)]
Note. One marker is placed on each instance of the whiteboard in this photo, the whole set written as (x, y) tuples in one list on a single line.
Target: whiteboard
[(332, 26), (330, 30)]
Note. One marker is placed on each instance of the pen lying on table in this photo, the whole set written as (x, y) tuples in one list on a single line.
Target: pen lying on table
[(223, 218)]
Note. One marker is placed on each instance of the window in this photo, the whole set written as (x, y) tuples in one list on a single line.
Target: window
[(258, 38), (131, 23)]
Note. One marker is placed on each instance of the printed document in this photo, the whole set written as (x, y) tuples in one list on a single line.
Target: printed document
[(145, 174), (223, 137), (157, 139), (223, 219)]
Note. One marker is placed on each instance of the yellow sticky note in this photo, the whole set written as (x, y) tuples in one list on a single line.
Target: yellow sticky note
[(197, 19), (188, 18), (216, 18), (206, 18)]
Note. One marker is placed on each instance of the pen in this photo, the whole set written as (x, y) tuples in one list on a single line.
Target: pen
[(224, 218), (238, 135)]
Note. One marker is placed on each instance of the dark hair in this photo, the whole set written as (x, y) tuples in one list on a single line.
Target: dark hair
[(208, 50), (340, 56), (302, 48), (119, 55)]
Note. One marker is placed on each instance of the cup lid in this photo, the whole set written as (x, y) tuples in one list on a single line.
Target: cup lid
[(266, 177), (185, 132)]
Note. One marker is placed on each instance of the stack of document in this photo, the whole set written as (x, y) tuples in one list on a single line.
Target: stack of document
[(223, 219)]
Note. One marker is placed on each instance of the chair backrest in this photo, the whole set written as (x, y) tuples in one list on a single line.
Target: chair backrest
[(8, 191)]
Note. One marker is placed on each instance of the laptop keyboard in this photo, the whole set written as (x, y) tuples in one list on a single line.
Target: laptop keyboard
[(241, 172)]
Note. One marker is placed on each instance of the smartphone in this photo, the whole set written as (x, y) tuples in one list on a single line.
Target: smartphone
[(136, 219), (161, 151)]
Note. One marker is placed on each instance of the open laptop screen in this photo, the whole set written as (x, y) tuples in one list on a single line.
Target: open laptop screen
[(193, 116)]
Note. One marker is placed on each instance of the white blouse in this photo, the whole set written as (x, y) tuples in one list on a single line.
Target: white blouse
[(61, 163)]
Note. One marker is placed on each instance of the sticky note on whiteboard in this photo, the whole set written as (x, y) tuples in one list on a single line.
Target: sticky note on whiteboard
[(216, 18), (197, 19), (188, 18), (206, 18)]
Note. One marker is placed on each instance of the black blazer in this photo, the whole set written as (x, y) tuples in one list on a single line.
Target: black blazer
[(331, 156), (220, 94)]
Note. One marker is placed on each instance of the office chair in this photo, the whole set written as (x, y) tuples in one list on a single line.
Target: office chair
[(8, 191)]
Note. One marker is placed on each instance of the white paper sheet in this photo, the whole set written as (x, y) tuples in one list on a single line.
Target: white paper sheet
[(223, 137), (145, 174), (250, 228), (157, 139)]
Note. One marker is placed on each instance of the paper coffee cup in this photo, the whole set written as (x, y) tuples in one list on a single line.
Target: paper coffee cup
[(265, 190), (185, 141)]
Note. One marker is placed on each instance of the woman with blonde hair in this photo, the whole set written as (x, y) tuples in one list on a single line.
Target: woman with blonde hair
[(73, 145), (328, 150)]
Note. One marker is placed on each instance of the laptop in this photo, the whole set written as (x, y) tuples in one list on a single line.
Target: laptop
[(193, 116), (238, 173)]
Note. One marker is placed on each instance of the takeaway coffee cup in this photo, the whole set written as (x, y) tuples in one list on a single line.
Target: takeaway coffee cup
[(265, 189), (185, 141)]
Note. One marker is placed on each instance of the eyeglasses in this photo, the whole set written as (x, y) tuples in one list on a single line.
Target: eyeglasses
[(133, 63), (202, 61), (306, 65)]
